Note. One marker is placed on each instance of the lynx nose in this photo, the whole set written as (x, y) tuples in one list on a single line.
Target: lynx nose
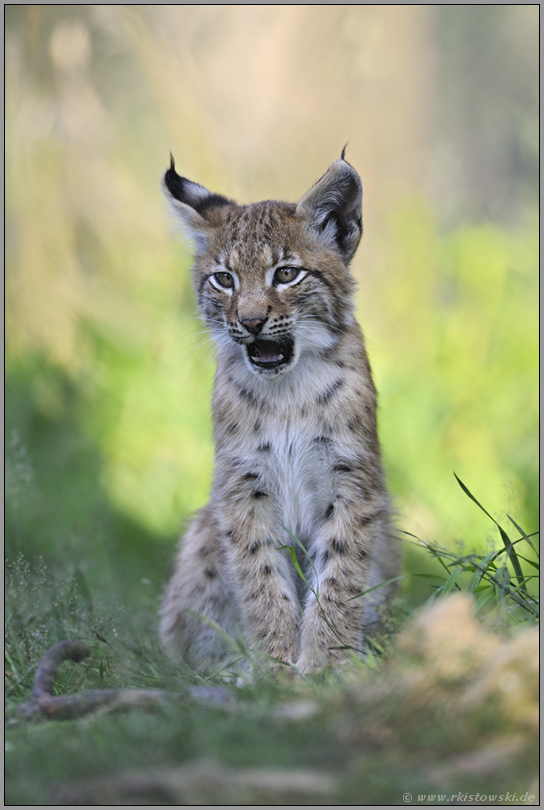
[(253, 325)]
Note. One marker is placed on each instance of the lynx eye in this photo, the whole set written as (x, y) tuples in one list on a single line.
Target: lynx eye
[(224, 280), (286, 275)]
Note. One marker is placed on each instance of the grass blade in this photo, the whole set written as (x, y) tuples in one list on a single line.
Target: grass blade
[(375, 587), (512, 554), (298, 569), (467, 491), (304, 549), (523, 534), (451, 581), (509, 548)]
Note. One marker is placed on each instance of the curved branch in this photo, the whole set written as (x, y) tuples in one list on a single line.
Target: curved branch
[(43, 704)]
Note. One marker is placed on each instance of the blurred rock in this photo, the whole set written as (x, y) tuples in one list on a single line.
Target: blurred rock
[(202, 783), (446, 637), (510, 677), (447, 670)]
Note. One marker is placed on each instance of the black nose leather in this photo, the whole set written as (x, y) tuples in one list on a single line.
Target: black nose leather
[(253, 325)]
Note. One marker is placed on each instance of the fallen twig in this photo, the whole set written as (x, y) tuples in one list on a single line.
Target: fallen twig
[(43, 704)]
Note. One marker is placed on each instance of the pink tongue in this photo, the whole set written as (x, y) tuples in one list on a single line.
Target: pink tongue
[(268, 353)]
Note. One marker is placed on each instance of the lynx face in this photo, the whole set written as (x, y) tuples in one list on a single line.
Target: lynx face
[(260, 302), (271, 277)]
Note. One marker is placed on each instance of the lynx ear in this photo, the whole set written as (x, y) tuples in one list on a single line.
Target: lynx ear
[(333, 208), (191, 201)]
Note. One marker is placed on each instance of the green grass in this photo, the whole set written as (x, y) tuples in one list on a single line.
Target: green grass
[(504, 580), (340, 736)]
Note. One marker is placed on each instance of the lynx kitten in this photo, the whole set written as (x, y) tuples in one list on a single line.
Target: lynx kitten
[(296, 444)]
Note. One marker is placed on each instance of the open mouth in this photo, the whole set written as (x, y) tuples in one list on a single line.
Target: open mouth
[(270, 354)]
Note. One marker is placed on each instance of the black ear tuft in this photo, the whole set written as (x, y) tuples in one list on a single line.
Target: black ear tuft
[(174, 183), (342, 156), (189, 193)]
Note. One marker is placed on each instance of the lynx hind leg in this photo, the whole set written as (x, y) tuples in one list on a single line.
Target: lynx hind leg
[(384, 565), (199, 586)]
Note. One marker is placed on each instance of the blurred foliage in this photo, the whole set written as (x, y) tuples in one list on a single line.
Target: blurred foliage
[(456, 361), (487, 109), (109, 372)]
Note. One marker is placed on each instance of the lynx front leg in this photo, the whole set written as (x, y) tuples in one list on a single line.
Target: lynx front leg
[(342, 557), (198, 588), (262, 575)]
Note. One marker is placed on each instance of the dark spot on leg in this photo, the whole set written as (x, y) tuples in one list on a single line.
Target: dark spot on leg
[(264, 447), (332, 599), (254, 547), (257, 494), (354, 423), (266, 570), (341, 468), (338, 546), (210, 573), (330, 511), (251, 476)]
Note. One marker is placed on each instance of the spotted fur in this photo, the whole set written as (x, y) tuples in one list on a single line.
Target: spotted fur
[(294, 409)]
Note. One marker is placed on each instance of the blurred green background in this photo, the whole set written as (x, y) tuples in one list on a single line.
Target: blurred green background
[(109, 372)]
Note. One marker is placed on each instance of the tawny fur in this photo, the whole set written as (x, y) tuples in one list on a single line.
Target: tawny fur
[(296, 442)]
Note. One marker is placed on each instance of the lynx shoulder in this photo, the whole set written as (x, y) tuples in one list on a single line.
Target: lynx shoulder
[(296, 444)]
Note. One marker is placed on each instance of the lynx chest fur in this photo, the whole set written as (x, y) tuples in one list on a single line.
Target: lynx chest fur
[(297, 453)]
